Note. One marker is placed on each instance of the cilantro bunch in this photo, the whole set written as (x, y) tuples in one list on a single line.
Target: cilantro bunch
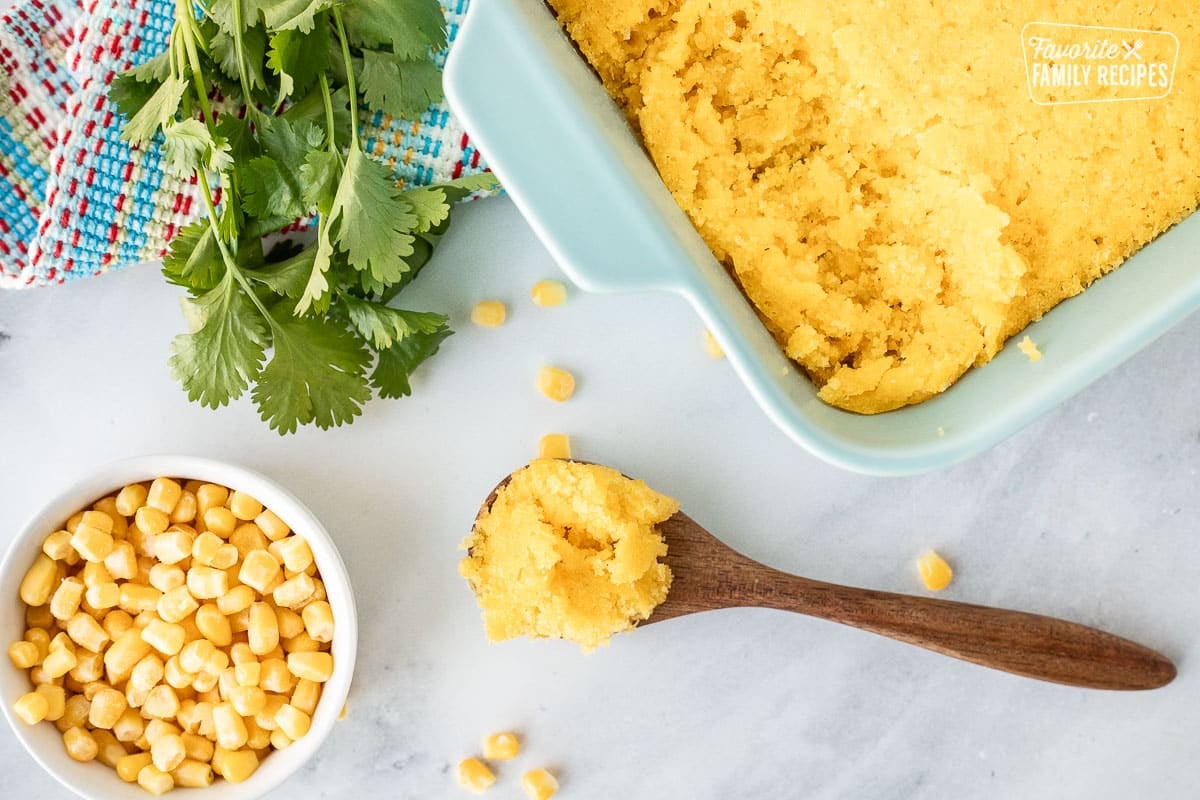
[(260, 100)]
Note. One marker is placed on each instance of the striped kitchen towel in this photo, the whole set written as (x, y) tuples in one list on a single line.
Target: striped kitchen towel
[(75, 200)]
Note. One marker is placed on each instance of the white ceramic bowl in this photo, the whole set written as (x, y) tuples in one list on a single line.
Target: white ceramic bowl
[(43, 741)]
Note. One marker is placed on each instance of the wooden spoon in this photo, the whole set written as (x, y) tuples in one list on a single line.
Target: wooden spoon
[(707, 575)]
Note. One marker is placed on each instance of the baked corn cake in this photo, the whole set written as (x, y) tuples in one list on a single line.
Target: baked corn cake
[(877, 176)]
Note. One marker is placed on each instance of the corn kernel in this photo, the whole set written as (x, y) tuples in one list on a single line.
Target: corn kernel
[(165, 637), (89, 666), (293, 592), (164, 494), (205, 547), (292, 721), (161, 703), (489, 313), (92, 543), (239, 598), (274, 676), (154, 780), (271, 525), (263, 630), (176, 605), (130, 499), (556, 384), (31, 708), (129, 766), (548, 293), (193, 773), (280, 740), (259, 570), (130, 726), (81, 745), (59, 662), (935, 572), (40, 639), (151, 521), (122, 561), (213, 625), (711, 346), (136, 598), (158, 728), (247, 538), (173, 545), (198, 748), (230, 727), (305, 696), (243, 506), (86, 632), (239, 621), (220, 520), (207, 583), (56, 700), (210, 495), (107, 707), (75, 713), (297, 556), (24, 655), (109, 750), (473, 775), (185, 508), (247, 700), (247, 673), (103, 595), (539, 784), (66, 599), (554, 445), (58, 545), (40, 616), (501, 746), (238, 765), (311, 666), (168, 752)]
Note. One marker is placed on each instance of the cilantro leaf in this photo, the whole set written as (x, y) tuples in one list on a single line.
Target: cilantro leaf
[(254, 47), (188, 146), (397, 363), (383, 325), (194, 261), (129, 94), (315, 375), (299, 58), (461, 188), (410, 27), (372, 219), (159, 109), (289, 141), (429, 205), (316, 293), (271, 189), (218, 360), (222, 13), (398, 86), (319, 179), (286, 277), (300, 15)]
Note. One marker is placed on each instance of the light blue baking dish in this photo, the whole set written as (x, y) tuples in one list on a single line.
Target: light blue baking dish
[(571, 164)]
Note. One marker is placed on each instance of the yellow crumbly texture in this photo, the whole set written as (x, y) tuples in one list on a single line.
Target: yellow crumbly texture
[(877, 178), (570, 551)]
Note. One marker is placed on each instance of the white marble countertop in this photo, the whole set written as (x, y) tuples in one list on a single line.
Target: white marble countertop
[(1093, 513)]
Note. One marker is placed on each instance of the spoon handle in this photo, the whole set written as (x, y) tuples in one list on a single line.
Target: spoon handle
[(1026, 644)]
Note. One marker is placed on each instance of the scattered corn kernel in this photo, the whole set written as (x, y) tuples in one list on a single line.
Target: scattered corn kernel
[(935, 572), (548, 293), (555, 383), (554, 445), (539, 784), (501, 746), (489, 313), (711, 346), (474, 775)]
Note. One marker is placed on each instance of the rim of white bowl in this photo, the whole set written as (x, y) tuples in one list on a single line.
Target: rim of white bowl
[(96, 781)]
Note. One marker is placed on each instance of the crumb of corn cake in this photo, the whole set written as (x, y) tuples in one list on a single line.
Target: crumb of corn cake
[(1030, 349), (568, 550), (879, 181)]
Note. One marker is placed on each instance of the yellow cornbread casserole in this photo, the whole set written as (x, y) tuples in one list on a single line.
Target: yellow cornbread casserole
[(878, 177), (568, 550)]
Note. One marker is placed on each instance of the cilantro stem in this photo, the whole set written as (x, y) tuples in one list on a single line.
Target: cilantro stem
[(186, 22), (240, 50), (330, 133), (350, 80)]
